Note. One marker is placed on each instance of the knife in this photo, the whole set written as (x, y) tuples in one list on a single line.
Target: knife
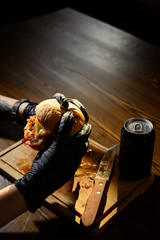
[(102, 177)]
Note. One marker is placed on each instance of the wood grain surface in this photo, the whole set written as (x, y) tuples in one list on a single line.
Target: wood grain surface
[(115, 75)]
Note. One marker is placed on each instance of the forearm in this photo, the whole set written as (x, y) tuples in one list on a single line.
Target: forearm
[(6, 105), (12, 204)]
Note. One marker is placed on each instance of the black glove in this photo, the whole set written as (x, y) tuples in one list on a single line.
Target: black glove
[(28, 111), (65, 102), (52, 168)]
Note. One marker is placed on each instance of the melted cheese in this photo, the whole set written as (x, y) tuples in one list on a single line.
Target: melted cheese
[(39, 129)]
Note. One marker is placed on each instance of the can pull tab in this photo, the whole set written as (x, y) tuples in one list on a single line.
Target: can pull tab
[(138, 127)]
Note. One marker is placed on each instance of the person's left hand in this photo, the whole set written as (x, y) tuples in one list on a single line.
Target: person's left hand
[(52, 168), (29, 111)]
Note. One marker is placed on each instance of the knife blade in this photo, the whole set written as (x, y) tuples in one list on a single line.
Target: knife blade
[(102, 177)]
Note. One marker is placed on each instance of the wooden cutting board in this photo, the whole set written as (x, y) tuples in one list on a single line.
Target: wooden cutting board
[(70, 200)]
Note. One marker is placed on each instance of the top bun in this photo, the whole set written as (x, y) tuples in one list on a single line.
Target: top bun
[(50, 111)]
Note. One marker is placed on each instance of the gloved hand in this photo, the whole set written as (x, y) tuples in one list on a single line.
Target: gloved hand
[(29, 111), (54, 167), (65, 102)]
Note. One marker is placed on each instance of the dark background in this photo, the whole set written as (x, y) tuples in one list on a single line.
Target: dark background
[(138, 17)]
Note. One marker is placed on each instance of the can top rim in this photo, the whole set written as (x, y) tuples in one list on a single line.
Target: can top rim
[(141, 120)]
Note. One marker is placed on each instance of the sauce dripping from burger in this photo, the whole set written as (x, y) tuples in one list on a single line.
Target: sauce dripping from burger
[(35, 132), (87, 170)]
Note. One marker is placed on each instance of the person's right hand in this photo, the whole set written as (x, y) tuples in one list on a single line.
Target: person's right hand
[(65, 102)]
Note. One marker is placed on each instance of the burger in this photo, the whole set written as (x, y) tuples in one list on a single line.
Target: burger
[(41, 127)]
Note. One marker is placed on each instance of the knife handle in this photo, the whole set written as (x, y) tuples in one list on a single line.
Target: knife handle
[(93, 202)]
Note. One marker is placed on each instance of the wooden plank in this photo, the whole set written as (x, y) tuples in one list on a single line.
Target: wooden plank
[(98, 64)]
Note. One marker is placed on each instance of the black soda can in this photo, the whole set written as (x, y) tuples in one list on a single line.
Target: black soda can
[(136, 148)]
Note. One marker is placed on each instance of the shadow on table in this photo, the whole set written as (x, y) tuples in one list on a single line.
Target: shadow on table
[(11, 130), (9, 134)]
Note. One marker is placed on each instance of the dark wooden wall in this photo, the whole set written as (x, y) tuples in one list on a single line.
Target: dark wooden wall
[(138, 17)]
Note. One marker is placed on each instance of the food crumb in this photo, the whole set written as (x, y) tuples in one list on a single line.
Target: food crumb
[(85, 185)]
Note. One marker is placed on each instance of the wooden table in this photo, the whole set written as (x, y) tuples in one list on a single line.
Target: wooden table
[(115, 75)]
